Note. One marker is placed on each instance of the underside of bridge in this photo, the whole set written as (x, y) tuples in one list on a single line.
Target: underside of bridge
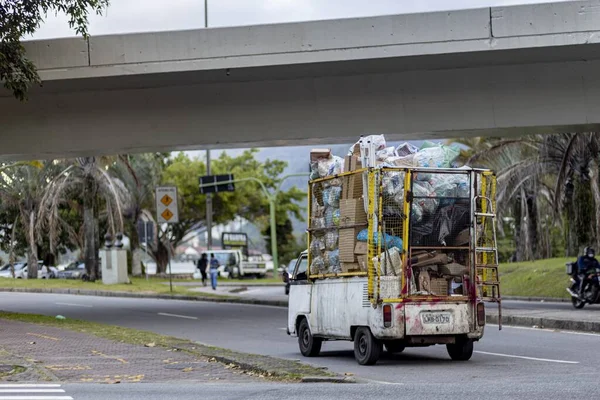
[(510, 85)]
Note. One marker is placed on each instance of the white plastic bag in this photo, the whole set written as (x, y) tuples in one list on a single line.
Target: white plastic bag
[(197, 274)]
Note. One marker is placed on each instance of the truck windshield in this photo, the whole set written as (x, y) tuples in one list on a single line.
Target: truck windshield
[(225, 258)]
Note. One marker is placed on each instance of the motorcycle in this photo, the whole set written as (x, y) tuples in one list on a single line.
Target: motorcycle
[(591, 288)]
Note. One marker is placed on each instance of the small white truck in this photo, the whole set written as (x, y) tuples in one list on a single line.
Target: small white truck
[(411, 269), (233, 264)]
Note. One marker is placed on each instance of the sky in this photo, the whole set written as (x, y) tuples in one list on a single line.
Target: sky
[(128, 16)]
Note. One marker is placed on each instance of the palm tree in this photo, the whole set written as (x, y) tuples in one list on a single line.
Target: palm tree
[(88, 177), (536, 177), (140, 173), (22, 187)]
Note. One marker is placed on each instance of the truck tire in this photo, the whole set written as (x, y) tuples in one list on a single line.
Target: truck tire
[(367, 349), (394, 347), (462, 350), (310, 346)]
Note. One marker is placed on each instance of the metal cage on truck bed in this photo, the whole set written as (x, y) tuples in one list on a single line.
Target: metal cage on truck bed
[(418, 234)]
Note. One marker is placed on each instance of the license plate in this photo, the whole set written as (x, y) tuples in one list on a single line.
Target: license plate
[(435, 318)]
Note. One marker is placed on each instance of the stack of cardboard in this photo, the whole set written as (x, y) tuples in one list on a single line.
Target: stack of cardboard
[(352, 220), (361, 250), (352, 187)]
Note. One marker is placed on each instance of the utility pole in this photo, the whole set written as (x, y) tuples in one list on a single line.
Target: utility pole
[(208, 195)]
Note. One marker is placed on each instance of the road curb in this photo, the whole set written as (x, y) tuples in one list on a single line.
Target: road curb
[(104, 293), (544, 299), (545, 323)]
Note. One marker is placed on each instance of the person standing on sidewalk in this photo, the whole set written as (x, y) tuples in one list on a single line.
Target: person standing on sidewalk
[(214, 270), (202, 265)]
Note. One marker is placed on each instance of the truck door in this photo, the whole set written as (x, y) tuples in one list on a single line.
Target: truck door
[(300, 293)]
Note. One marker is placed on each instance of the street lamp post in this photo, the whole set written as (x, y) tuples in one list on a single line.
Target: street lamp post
[(272, 198)]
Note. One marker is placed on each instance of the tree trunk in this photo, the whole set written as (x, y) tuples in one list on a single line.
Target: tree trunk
[(89, 227), (32, 260), (594, 178), (161, 256), (136, 251)]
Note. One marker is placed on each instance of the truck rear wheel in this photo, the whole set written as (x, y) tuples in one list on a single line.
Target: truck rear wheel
[(310, 346), (462, 350), (367, 349)]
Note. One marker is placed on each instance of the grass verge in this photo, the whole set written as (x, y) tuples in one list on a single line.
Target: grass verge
[(541, 278), (264, 366), (137, 285)]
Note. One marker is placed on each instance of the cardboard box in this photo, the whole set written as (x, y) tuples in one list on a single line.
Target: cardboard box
[(362, 262), (352, 186), (361, 248), (316, 154), (351, 163), (350, 267), (347, 242), (439, 286), (352, 212)]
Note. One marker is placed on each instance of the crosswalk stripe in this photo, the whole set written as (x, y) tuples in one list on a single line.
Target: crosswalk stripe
[(27, 390), (36, 398), (33, 391), (34, 385)]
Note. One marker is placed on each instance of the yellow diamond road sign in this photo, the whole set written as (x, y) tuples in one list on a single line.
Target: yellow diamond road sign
[(166, 205), (166, 200), (167, 214)]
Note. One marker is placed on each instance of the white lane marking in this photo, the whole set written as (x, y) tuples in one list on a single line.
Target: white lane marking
[(176, 315), (74, 305), (25, 390), (526, 328), (24, 385), (36, 398), (527, 358), (385, 383), (283, 329)]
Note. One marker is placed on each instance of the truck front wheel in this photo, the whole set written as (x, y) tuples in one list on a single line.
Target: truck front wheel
[(462, 350), (367, 349), (310, 346)]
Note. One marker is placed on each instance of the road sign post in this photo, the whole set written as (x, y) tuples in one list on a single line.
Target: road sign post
[(167, 212)]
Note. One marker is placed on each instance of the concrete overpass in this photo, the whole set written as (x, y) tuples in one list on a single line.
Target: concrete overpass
[(500, 71)]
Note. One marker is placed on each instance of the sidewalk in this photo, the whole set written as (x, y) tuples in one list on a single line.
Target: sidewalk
[(54, 354)]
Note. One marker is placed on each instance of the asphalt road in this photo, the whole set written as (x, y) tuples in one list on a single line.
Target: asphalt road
[(480, 387), (514, 360)]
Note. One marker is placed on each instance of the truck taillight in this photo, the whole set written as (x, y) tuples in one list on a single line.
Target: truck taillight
[(387, 315), (481, 314)]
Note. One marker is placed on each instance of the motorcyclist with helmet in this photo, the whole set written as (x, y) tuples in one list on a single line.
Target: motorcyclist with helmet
[(585, 263)]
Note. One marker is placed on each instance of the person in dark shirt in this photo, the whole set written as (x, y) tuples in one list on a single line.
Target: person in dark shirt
[(214, 271), (202, 265), (585, 263)]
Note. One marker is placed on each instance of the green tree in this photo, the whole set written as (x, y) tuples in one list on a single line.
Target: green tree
[(247, 200), (545, 180), (140, 173), (87, 178), (19, 18), (22, 188)]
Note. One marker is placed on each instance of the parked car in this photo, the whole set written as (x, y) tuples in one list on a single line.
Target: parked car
[(287, 272), (44, 271), (5, 271), (75, 270)]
